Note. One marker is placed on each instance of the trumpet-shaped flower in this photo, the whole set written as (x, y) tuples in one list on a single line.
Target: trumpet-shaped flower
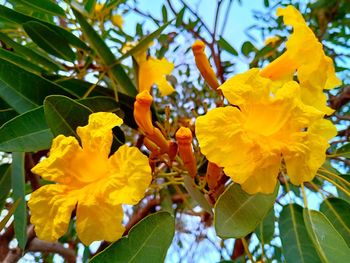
[(304, 55), (250, 140), (88, 179)]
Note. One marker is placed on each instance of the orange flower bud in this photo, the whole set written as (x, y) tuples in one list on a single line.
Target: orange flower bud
[(213, 175), (184, 139), (143, 118), (203, 64), (142, 112)]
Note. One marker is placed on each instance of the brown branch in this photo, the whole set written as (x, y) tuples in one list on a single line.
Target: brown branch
[(340, 100)]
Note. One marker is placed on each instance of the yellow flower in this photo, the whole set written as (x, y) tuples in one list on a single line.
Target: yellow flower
[(305, 55), (153, 71), (90, 181), (117, 20), (249, 140), (98, 7)]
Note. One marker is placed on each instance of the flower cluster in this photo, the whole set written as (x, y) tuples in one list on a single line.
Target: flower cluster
[(275, 123)]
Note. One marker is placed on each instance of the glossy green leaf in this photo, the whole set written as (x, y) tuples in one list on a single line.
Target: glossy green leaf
[(23, 90), (9, 214), (101, 103), (329, 244), (143, 43), (148, 241), (19, 18), (30, 54), (266, 228), (5, 183), (338, 213), (20, 61), (227, 46), (6, 112), (18, 188), (27, 132), (63, 115), (44, 6), (196, 194), (344, 151), (237, 213), (49, 40), (297, 245), (103, 51)]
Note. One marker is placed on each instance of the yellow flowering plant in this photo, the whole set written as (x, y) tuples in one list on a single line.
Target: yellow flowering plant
[(132, 135)]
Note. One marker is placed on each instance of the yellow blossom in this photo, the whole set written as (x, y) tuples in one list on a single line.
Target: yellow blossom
[(304, 55), (98, 7), (117, 20), (250, 140), (89, 180)]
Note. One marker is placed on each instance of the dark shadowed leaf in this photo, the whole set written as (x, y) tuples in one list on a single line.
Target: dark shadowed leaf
[(23, 90), (5, 183), (237, 213), (297, 246), (148, 241), (266, 228), (18, 187), (50, 41)]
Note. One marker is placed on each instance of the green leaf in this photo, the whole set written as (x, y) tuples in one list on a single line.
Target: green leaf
[(6, 218), (20, 61), (106, 55), (296, 244), (148, 241), (266, 228), (5, 183), (44, 6), (30, 54), (143, 44), (344, 151), (329, 244), (89, 5), (180, 17), (101, 103), (19, 18), (27, 132), (18, 187), (338, 213), (164, 14), (227, 47), (23, 90), (196, 194), (6, 112), (247, 48), (63, 115), (236, 213), (49, 40)]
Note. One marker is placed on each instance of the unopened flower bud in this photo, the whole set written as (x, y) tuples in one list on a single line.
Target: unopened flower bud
[(184, 140)]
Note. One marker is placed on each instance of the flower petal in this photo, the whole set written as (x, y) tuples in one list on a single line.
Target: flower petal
[(153, 71), (97, 136), (58, 166), (98, 220), (130, 176), (303, 164), (263, 179), (51, 207)]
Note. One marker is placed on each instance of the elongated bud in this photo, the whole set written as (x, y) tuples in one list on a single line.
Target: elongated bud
[(143, 118), (203, 64), (213, 175), (184, 139), (142, 112)]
